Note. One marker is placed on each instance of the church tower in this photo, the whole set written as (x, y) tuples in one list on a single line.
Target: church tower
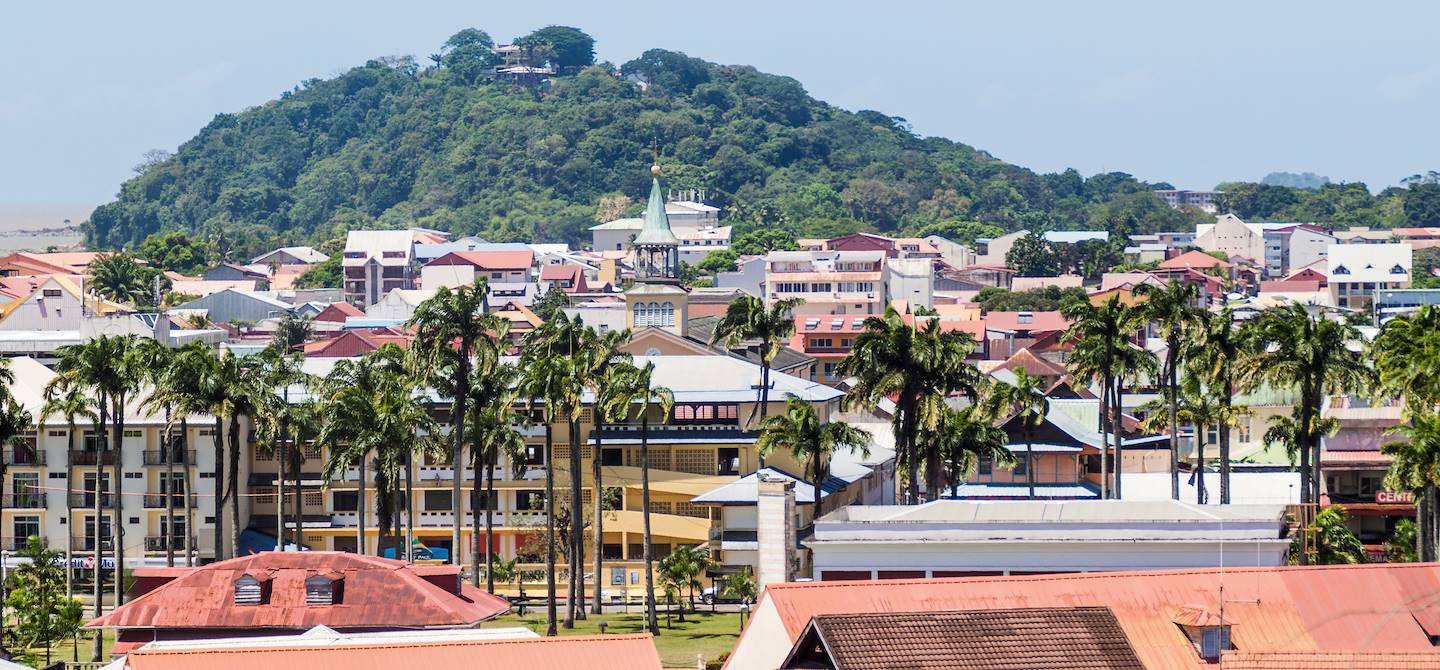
[(657, 299)]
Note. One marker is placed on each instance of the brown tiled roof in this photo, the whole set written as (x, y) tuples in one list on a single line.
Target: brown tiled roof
[(1075, 638), (1331, 660)]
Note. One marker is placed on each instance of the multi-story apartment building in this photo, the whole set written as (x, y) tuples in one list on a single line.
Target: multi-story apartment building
[(1357, 271), (1205, 201), (827, 339), (830, 282), (1277, 247), (379, 261), (52, 493)]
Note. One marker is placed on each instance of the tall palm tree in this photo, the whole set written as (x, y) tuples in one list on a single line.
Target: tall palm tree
[(1216, 347), (156, 374), (965, 437), (455, 321), (545, 381), (918, 367), (1416, 468), (1406, 353), (72, 403), (15, 421), (664, 399), (374, 406), (1137, 365), (810, 441), (278, 422), (748, 319), (1171, 309), (600, 355), (1294, 348), (1200, 407), (1023, 398), (242, 385), (1101, 337), (117, 277), (292, 331), (493, 422)]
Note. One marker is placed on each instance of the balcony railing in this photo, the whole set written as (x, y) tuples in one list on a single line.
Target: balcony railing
[(87, 500), (24, 500), (90, 457), (159, 542), (22, 458), (19, 543), (158, 500), (170, 456), (87, 543)]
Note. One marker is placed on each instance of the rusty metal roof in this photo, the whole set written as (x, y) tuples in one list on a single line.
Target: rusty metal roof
[(1068, 638), (1332, 660), (377, 593), (588, 652), (1376, 607)]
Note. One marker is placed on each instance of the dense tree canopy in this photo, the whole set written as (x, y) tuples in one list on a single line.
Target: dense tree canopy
[(447, 146)]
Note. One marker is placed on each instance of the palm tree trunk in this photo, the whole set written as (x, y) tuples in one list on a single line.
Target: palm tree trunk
[(1104, 439), (219, 497), (575, 601), (1225, 400), (169, 452), (1199, 466), (186, 466), (410, 506), (912, 459), (489, 521), (99, 546), (233, 488), (280, 458), (69, 518), (294, 442), (764, 397), (1029, 462), (1119, 436), (1422, 526), (360, 497), (1170, 393), (457, 448), (550, 630), (598, 523), (651, 621), (117, 439)]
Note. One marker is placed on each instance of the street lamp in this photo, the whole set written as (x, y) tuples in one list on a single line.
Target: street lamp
[(744, 608)]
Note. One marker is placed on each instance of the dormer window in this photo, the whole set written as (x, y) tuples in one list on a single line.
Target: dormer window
[(321, 590), (1206, 630), (1397, 270), (1340, 270), (249, 590)]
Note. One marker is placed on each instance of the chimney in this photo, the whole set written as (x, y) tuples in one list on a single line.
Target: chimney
[(776, 531)]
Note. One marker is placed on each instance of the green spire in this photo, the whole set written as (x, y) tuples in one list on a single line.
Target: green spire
[(656, 230)]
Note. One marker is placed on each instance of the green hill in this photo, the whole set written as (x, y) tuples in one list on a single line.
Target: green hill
[(393, 143)]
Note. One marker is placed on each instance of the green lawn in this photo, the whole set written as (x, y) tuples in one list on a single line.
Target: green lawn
[(63, 651), (709, 635)]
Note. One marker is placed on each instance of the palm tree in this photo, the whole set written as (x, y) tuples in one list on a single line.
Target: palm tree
[(15, 421), (278, 422), (292, 331), (1172, 310), (1403, 543), (748, 319), (1100, 334), (455, 321), (601, 362), (240, 378), (374, 406), (72, 403), (1407, 353), (156, 373), (1294, 348), (117, 277), (918, 368), (1136, 366), (1199, 407), (1215, 349), (492, 428), (1335, 543), (1023, 398), (811, 442), (664, 398), (965, 437), (1415, 467), (545, 379)]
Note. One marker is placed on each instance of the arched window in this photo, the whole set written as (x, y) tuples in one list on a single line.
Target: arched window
[(248, 591), (638, 318), (320, 590), (667, 314)]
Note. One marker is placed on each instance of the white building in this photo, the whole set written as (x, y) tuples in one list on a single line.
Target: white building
[(1278, 247), (1202, 200), (952, 538), (54, 305), (1357, 271), (399, 304), (379, 261)]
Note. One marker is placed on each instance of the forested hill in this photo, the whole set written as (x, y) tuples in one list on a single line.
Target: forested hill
[(442, 144)]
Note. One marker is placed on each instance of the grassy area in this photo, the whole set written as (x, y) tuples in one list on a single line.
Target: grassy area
[(709, 635), (65, 650)]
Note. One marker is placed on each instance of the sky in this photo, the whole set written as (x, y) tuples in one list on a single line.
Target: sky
[(1183, 92)]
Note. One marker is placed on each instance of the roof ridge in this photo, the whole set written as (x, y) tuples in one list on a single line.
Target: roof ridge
[(625, 637)]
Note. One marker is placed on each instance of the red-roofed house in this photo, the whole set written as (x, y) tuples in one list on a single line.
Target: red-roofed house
[(64, 263), (1377, 607), (827, 339), (356, 343), (567, 277), (274, 593), (461, 268), (1419, 238), (338, 312)]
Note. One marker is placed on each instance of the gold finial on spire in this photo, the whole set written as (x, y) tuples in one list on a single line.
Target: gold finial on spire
[(655, 166)]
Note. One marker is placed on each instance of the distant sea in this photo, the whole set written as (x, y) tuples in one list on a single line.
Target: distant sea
[(37, 227)]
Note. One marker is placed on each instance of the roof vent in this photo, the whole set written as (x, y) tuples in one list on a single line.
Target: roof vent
[(322, 590), (249, 590)]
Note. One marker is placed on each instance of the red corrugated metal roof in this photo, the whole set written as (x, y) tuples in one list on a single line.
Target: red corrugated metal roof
[(489, 260), (1038, 321), (1193, 259), (589, 652), (1369, 607), (337, 311), (1331, 660), (376, 593)]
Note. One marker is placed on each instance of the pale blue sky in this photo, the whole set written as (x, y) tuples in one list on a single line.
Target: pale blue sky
[(1190, 92)]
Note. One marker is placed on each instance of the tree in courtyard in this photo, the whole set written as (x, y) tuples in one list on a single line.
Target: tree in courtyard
[(43, 613)]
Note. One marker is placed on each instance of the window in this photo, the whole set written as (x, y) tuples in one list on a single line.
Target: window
[(1026, 317), (1213, 640), (986, 465), (248, 591), (729, 461), (319, 590), (821, 342), (437, 501), (24, 527), (1340, 270), (1397, 270), (527, 501), (694, 413), (51, 293), (730, 412), (1021, 464), (345, 501)]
